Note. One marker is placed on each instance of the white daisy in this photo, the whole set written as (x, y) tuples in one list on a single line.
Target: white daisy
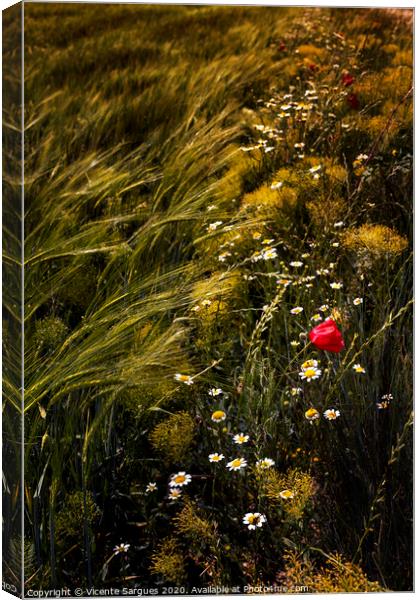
[(286, 494), (310, 373), (240, 438), (265, 463), (296, 391), (237, 464), (276, 185), (180, 479), (254, 520), (214, 226), (315, 169), (187, 379), (331, 414), (174, 494), (218, 416), (215, 457), (309, 363), (121, 548), (311, 414), (284, 282), (269, 254), (215, 392)]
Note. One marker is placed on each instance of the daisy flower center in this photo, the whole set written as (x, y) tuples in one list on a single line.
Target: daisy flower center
[(286, 494), (218, 414)]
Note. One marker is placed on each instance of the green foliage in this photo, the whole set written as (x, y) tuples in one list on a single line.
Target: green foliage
[(375, 239), (173, 436), (300, 485), (168, 561), (337, 576), (49, 333), (194, 527), (77, 508)]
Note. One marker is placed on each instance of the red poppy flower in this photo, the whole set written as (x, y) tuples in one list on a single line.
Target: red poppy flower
[(327, 336), (347, 79)]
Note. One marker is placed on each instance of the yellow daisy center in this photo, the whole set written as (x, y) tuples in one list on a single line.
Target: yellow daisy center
[(237, 462), (287, 494), (307, 364), (179, 479), (218, 414), (310, 372)]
